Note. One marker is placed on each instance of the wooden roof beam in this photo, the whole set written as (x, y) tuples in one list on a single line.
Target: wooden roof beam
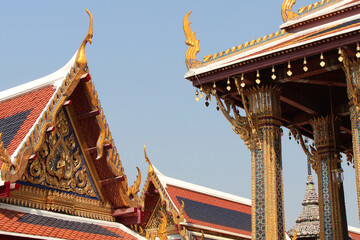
[(300, 102)]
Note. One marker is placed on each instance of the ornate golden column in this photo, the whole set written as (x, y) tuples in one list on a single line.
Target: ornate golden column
[(326, 162), (261, 132), (264, 106), (352, 71)]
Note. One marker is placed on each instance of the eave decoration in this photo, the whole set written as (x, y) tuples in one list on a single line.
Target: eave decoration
[(286, 10), (192, 42)]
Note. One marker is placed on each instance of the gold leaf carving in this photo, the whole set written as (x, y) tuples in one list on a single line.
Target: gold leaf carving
[(161, 232), (286, 10), (192, 42), (81, 58), (58, 163)]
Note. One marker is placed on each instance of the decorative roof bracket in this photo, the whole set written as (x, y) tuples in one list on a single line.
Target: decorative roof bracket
[(243, 126)]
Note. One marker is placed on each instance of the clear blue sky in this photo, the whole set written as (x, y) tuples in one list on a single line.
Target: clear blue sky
[(137, 64)]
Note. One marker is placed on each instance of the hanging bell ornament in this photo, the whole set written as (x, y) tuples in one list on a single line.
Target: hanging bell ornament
[(340, 58), (258, 81), (289, 72), (273, 76), (305, 68), (228, 85), (322, 63), (357, 50)]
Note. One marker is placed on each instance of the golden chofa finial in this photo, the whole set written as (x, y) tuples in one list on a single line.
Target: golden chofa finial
[(81, 58), (286, 10), (151, 169), (192, 42)]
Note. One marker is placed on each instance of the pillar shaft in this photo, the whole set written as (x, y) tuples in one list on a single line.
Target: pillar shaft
[(267, 189), (352, 71), (333, 223)]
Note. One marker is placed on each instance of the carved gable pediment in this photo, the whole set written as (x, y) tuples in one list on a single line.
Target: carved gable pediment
[(59, 178)]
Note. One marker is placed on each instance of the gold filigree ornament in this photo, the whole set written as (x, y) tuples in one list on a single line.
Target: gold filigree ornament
[(309, 150), (58, 163), (182, 210), (243, 126), (151, 168), (286, 10), (162, 232), (192, 42), (81, 60), (134, 189), (352, 72), (4, 157)]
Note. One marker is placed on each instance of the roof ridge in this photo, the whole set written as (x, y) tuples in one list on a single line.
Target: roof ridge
[(165, 180), (315, 6), (246, 45)]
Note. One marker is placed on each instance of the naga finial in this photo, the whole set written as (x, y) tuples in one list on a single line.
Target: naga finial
[(151, 169), (81, 58), (182, 210), (192, 42), (134, 189), (286, 10), (161, 232)]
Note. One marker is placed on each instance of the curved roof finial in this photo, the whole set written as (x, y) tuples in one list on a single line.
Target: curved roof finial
[(286, 10), (151, 169), (81, 58), (192, 42)]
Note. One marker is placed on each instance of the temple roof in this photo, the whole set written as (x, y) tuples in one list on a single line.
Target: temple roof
[(204, 209), (35, 113), (22, 106), (21, 222), (283, 41)]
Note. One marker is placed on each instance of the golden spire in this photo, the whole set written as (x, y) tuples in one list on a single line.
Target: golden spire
[(81, 58), (161, 232), (192, 42), (151, 169), (286, 10)]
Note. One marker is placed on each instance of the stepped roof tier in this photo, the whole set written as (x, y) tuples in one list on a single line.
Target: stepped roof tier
[(307, 224)]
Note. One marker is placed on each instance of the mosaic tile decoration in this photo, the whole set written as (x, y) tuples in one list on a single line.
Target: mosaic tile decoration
[(260, 192), (328, 230), (279, 188)]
